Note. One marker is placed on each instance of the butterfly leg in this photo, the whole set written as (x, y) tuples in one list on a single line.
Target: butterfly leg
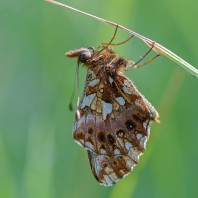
[(106, 46), (132, 64), (116, 44), (148, 61)]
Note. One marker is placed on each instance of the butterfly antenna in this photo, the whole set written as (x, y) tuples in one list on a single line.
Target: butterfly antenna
[(77, 79), (72, 97), (74, 89)]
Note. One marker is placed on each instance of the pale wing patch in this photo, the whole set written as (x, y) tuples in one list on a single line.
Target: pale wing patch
[(115, 105), (127, 90), (120, 100), (87, 100), (127, 87), (93, 104), (143, 142), (127, 83), (98, 107), (139, 136), (128, 145), (107, 109), (134, 154), (110, 79)]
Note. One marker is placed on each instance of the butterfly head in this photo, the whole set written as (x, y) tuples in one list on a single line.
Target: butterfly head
[(83, 54)]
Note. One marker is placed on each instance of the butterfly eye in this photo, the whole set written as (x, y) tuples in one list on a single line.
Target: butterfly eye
[(84, 56)]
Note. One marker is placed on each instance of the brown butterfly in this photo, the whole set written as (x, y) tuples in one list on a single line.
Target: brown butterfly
[(114, 119)]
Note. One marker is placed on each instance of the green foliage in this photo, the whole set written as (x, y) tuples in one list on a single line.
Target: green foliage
[(38, 155)]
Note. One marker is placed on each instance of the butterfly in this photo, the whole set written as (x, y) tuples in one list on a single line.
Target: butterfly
[(113, 118)]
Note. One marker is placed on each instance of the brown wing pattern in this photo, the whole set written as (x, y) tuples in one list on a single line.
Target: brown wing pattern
[(114, 125)]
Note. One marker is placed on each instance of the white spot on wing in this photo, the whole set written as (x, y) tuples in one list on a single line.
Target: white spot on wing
[(134, 154), (127, 83), (143, 142), (110, 79), (146, 124), (127, 90), (128, 145), (129, 163), (102, 151), (107, 180), (107, 109), (88, 100), (139, 136), (120, 100), (122, 172), (89, 145), (111, 174), (117, 152)]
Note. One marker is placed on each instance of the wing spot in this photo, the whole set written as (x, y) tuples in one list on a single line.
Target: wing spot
[(101, 136), (90, 130), (79, 136), (111, 139), (129, 125), (120, 133), (115, 163)]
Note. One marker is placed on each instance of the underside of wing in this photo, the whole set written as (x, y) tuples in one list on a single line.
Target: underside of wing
[(114, 125)]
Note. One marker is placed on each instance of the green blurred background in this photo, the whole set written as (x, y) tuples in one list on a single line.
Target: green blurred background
[(38, 157)]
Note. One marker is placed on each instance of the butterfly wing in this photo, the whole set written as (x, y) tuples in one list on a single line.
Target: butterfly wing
[(114, 125)]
